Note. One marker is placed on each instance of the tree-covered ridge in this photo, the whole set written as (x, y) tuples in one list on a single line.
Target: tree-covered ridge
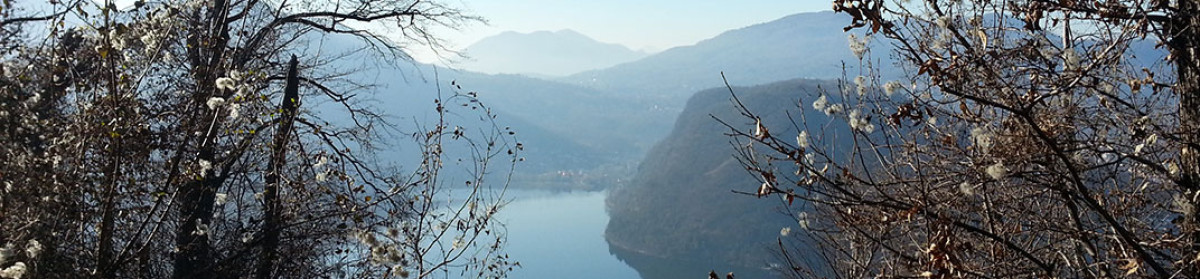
[(681, 205)]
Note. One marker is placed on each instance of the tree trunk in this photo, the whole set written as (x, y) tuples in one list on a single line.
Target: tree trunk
[(205, 52), (194, 258), (1183, 40), (105, 264), (272, 218)]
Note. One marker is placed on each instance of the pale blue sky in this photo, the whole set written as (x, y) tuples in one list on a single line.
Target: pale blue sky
[(653, 25), (639, 24)]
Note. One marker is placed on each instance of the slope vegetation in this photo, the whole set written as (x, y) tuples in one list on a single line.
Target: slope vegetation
[(680, 205)]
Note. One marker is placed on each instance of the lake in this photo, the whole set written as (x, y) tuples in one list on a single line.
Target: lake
[(561, 235)]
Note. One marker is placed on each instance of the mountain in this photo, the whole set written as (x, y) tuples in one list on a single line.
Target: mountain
[(562, 127), (592, 118), (604, 119), (620, 112), (680, 204), (805, 45), (544, 54)]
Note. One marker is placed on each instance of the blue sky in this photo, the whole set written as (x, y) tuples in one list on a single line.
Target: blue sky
[(639, 24), (652, 25)]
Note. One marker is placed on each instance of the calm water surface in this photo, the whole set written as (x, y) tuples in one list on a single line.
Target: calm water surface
[(561, 235)]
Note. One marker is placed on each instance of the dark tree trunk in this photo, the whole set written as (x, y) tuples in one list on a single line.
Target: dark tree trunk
[(1183, 38), (206, 51), (272, 220), (105, 264), (195, 257)]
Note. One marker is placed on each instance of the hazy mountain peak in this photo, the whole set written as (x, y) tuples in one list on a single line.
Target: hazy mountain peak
[(544, 53), (569, 32), (803, 45)]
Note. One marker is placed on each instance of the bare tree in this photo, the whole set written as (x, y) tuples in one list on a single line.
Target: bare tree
[(1030, 139), (136, 145)]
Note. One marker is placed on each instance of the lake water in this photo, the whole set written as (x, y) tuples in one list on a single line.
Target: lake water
[(561, 235)]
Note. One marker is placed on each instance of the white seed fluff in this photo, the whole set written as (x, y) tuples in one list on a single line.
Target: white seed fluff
[(215, 102), (966, 189), (997, 171), (33, 248), (858, 47), (983, 139), (891, 87), (833, 109), (1070, 58), (221, 198), (16, 271), (205, 165), (820, 103), (226, 84)]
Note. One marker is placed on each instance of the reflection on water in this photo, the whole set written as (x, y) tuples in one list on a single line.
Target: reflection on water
[(650, 267), (560, 235)]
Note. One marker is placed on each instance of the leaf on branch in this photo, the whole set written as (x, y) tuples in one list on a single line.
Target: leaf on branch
[(948, 140), (982, 38), (1131, 266), (929, 66), (760, 131), (764, 189), (1032, 20), (908, 214)]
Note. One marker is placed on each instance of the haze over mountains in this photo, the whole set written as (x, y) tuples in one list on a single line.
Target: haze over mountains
[(544, 54), (607, 127), (655, 88), (624, 109), (797, 46), (677, 203), (590, 129)]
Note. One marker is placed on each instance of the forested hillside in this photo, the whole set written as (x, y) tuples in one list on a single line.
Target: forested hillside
[(680, 204)]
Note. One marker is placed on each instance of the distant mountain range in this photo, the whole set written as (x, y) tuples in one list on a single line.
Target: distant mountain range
[(607, 117), (544, 54), (625, 108), (806, 45), (614, 115)]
